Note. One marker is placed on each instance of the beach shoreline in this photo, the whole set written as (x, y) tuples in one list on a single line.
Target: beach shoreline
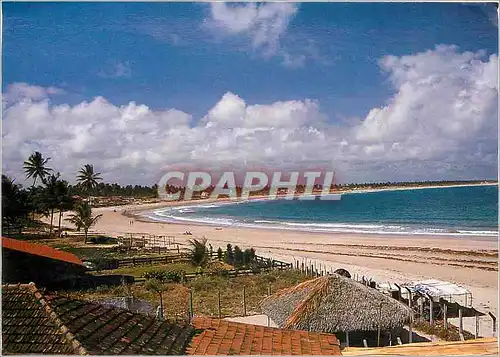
[(148, 214)]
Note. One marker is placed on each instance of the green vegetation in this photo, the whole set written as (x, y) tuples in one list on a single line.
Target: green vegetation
[(205, 293), (155, 271), (49, 194), (165, 276), (157, 286), (83, 218), (199, 253), (35, 167)]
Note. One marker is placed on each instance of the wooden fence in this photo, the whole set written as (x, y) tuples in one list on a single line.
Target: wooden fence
[(178, 256)]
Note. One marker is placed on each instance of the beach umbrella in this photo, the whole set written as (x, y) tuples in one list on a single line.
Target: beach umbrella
[(334, 303)]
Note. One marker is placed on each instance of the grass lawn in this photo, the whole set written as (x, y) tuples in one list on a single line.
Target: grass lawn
[(138, 271)]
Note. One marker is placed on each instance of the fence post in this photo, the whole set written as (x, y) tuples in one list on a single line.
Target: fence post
[(410, 329), (409, 297), (178, 249), (460, 321), (191, 313), (445, 316), (431, 310), (378, 327), (494, 323), (399, 291), (220, 310), (476, 330), (244, 301)]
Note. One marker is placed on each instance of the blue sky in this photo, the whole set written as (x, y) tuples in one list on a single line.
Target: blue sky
[(76, 43), (188, 55)]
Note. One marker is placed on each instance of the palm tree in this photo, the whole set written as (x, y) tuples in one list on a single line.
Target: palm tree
[(51, 196), (82, 218), (35, 167), (87, 178), (64, 199), (199, 252)]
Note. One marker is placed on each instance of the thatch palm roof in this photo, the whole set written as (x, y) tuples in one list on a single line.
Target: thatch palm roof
[(334, 304)]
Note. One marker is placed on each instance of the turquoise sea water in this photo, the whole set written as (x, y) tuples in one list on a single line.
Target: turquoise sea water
[(469, 210)]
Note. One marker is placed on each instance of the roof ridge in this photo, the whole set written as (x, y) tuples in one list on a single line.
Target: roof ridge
[(68, 336)]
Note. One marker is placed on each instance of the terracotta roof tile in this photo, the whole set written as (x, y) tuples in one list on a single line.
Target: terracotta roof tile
[(40, 250), (33, 323), (222, 337)]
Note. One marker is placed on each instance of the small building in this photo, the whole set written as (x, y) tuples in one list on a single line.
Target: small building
[(24, 262), (339, 305)]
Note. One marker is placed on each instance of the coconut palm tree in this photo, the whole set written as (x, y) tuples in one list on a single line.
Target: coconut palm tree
[(64, 199), (35, 167), (50, 196), (83, 219), (87, 178)]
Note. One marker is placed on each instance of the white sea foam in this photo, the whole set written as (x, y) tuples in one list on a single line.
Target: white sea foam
[(321, 227)]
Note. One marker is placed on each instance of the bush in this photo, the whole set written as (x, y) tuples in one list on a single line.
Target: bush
[(104, 264), (238, 256), (199, 252), (103, 240), (164, 276)]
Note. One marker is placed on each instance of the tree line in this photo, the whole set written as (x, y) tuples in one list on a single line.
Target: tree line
[(51, 196)]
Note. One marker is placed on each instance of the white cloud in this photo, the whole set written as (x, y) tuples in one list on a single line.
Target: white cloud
[(265, 24), (441, 122), (444, 98), (17, 92)]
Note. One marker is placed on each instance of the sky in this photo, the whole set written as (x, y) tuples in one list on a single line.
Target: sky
[(375, 91)]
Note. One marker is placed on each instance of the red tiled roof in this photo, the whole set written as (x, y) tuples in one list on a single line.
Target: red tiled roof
[(34, 323), (222, 337), (40, 250)]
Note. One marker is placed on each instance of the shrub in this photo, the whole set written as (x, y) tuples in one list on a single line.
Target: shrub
[(164, 276), (199, 252), (238, 256), (103, 240)]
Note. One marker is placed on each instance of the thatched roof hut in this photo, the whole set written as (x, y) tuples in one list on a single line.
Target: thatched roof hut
[(335, 304)]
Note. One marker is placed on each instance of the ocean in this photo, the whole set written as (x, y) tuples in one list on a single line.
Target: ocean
[(467, 211)]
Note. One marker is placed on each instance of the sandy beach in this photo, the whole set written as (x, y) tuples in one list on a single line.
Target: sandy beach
[(471, 262)]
